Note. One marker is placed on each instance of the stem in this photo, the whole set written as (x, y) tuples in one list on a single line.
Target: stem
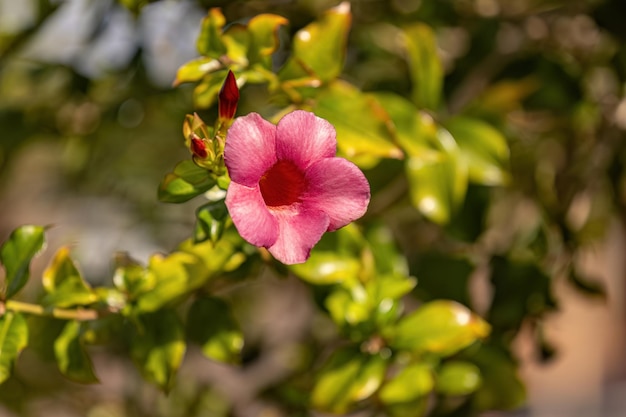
[(80, 314)]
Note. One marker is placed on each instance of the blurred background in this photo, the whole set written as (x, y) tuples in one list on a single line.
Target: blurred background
[(90, 123)]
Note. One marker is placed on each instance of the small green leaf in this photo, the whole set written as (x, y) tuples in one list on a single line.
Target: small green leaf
[(17, 252), (484, 149), (171, 277), (441, 327), (186, 182), (361, 123), (211, 324), (131, 277), (211, 220), (71, 355), (263, 30), (327, 268), (348, 377), (196, 69), (158, 347), (319, 49), (237, 41), (210, 39), (13, 339), (206, 92), (64, 284), (425, 65), (458, 378), (411, 383)]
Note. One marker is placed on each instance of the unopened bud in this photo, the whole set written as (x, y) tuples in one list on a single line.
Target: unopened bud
[(228, 97), (198, 147)]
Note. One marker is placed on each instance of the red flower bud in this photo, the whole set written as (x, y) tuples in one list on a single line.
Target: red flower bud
[(228, 97), (198, 147)]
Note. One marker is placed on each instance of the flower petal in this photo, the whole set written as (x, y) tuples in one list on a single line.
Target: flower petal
[(338, 188), (253, 220), (250, 149), (304, 138), (299, 231)]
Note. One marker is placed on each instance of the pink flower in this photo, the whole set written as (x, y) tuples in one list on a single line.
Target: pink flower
[(288, 187)]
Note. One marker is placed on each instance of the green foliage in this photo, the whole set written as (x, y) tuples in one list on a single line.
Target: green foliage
[(71, 356), (186, 182), (64, 284), (13, 339), (16, 253)]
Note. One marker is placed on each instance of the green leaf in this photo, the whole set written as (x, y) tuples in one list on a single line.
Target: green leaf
[(71, 355), (440, 327), (13, 339), (206, 92), (425, 66), (16, 253), (211, 220), (437, 184), (319, 49), (186, 182), (263, 30), (210, 39), (348, 377), (63, 283), (237, 41), (196, 69), (458, 378), (131, 277), (411, 383), (158, 347), (484, 149), (171, 277), (324, 268), (360, 122), (211, 324)]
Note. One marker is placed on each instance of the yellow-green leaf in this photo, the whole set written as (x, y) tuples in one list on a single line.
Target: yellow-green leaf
[(16, 253), (425, 66), (196, 69), (458, 378), (186, 182), (64, 284), (13, 339), (411, 383), (210, 40), (319, 49), (71, 355), (440, 327), (263, 30), (348, 377)]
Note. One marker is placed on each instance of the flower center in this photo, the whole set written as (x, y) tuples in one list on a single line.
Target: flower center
[(282, 184)]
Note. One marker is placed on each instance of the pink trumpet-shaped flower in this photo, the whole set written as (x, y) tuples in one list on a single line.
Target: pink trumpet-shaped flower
[(287, 186)]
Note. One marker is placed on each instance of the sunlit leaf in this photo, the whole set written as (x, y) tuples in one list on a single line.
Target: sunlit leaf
[(196, 69), (327, 268), (205, 93), (411, 383), (71, 356), (425, 66), (319, 49), (158, 347), (437, 184), (348, 377), (210, 40), (171, 277), (13, 339), (64, 284), (458, 378), (186, 182), (483, 147), (16, 253), (131, 277), (441, 327), (360, 122), (263, 30), (211, 220), (211, 325)]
